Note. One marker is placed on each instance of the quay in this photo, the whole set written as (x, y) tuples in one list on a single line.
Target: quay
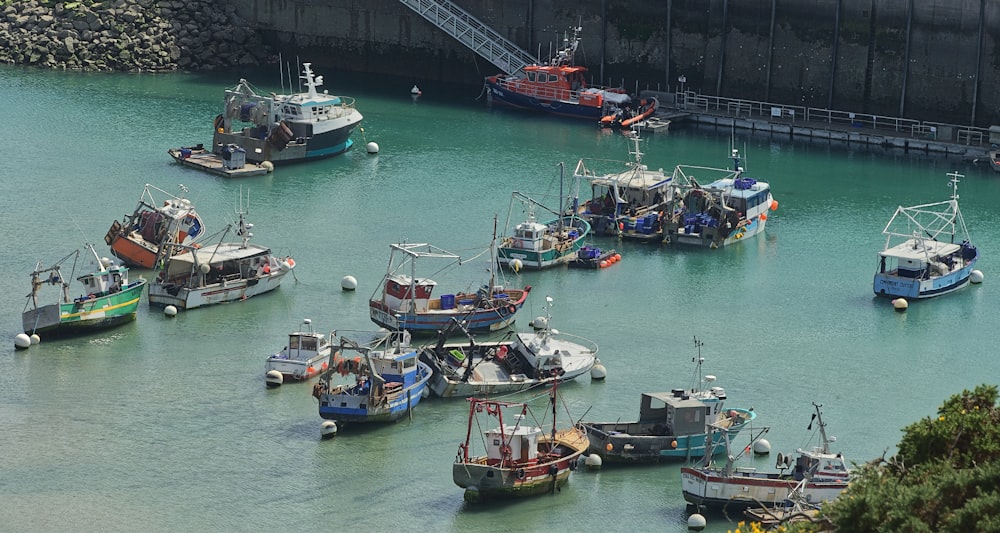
[(966, 142)]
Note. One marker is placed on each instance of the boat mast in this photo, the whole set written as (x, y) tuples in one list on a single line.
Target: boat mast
[(561, 209), (822, 427), (699, 360), (953, 181)]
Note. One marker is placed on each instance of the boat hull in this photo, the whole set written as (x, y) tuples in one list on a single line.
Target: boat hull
[(711, 237), (318, 146), (85, 315), (710, 488), (565, 107), (436, 319), (134, 251), (895, 286), (164, 294), (643, 447), (298, 370), (352, 408)]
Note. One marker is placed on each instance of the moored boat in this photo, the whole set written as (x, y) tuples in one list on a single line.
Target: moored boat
[(108, 298), (558, 87), (516, 457), (306, 356), (728, 209), (671, 425), (921, 258), (816, 474), (217, 273), (376, 383), (404, 301), (284, 128), (513, 363), (628, 116), (536, 245), (630, 203), (139, 237)]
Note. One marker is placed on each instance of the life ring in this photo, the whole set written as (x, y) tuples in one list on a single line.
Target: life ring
[(519, 473)]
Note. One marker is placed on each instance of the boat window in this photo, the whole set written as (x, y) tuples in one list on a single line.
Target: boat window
[(309, 343), (553, 78), (530, 76), (409, 363)]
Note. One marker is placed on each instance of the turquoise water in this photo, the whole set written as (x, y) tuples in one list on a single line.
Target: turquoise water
[(166, 425)]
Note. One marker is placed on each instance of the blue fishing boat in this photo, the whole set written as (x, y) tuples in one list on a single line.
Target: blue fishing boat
[(672, 425), (405, 302), (374, 383), (921, 258)]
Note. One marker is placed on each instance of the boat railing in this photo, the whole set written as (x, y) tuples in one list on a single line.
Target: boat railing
[(530, 89)]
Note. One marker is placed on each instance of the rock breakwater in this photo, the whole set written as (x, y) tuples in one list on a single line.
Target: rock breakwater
[(128, 35)]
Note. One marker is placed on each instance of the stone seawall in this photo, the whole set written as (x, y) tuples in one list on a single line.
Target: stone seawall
[(142, 35)]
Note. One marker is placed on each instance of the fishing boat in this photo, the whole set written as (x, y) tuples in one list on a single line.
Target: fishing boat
[(513, 363), (921, 257), (371, 383), (139, 237), (672, 425), (306, 356), (285, 128), (626, 117), (108, 298), (558, 87), (404, 301), (630, 203), (817, 474), (515, 457), (730, 208), (536, 245), (593, 257), (194, 275)]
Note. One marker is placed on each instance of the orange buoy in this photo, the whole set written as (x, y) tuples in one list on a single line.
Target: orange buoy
[(774, 205), (618, 257), (763, 217)]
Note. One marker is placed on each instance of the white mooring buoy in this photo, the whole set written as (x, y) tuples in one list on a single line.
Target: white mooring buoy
[(540, 322), (268, 166), (273, 378), (372, 147), (349, 283), (976, 276), (598, 371), (328, 429), (22, 341), (35, 339), (900, 304), (696, 522), (516, 265), (170, 311), (762, 447), (593, 462)]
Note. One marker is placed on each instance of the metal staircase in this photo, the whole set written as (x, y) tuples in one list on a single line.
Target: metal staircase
[(469, 31)]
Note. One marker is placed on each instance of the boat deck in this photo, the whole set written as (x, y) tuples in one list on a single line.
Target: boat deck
[(211, 162)]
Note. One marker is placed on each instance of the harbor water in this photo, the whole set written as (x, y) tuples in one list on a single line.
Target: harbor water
[(165, 424)]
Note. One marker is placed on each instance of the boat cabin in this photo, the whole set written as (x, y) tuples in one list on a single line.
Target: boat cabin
[(397, 365), (529, 235), (520, 437), (744, 195), (300, 344), (679, 412), (400, 290), (919, 258), (823, 466), (108, 281)]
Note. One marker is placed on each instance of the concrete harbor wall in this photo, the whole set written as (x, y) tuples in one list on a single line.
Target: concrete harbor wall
[(927, 59)]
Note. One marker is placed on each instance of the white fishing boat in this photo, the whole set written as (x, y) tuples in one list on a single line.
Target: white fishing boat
[(194, 276), (515, 362), (731, 206), (631, 203), (921, 257), (284, 128), (139, 236), (306, 356), (817, 474)]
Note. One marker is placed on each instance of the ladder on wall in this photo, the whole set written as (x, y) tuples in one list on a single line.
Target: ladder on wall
[(469, 31)]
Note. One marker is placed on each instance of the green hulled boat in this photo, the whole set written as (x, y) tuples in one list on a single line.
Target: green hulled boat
[(107, 300)]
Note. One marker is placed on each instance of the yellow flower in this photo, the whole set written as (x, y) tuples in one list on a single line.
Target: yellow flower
[(941, 418)]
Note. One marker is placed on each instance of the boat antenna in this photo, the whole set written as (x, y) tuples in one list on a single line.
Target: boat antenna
[(698, 360), (561, 208), (954, 178), (281, 73)]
